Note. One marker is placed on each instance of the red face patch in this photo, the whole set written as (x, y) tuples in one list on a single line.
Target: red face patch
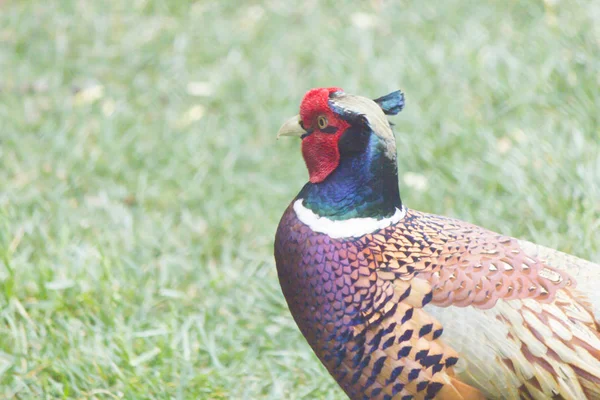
[(320, 149)]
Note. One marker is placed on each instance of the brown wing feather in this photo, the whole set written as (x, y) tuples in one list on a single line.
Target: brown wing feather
[(528, 288), (584, 272), (466, 264)]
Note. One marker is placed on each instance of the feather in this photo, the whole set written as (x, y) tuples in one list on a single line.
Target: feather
[(392, 103)]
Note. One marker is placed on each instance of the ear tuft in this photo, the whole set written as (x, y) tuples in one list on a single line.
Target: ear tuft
[(392, 103)]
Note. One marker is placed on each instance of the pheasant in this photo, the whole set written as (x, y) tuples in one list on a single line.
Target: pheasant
[(401, 304)]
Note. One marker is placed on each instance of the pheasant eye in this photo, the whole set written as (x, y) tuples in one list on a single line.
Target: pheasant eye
[(322, 121)]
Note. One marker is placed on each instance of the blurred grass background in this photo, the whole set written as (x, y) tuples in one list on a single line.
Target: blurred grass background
[(141, 183)]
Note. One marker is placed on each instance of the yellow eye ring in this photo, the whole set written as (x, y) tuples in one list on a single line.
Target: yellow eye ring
[(322, 122)]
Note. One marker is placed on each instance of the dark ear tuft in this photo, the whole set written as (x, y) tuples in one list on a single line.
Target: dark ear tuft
[(392, 103)]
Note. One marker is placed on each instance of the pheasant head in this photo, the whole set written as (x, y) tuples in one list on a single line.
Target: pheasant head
[(350, 152)]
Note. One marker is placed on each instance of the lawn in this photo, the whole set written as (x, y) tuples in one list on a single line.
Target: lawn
[(141, 183)]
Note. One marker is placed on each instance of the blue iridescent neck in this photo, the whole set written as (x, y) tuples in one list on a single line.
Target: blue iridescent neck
[(363, 185)]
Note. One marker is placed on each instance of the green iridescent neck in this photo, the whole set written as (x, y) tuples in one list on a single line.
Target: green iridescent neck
[(364, 185)]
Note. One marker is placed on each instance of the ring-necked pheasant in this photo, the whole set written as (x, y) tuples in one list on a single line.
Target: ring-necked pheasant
[(401, 304)]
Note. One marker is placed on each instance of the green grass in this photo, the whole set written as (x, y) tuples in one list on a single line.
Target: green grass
[(141, 183)]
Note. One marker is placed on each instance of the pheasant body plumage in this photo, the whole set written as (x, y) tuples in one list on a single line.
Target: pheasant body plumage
[(423, 306)]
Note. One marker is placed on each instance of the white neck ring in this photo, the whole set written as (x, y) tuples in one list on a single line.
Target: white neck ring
[(352, 227)]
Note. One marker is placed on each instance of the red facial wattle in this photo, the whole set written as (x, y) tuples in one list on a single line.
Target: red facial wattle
[(320, 149), (321, 154)]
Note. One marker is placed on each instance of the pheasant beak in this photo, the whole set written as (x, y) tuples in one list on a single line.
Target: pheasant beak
[(292, 127)]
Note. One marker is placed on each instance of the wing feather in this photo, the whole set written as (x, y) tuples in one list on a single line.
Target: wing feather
[(510, 308)]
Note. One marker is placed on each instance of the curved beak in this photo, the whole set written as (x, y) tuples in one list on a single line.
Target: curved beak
[(291, 127)]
